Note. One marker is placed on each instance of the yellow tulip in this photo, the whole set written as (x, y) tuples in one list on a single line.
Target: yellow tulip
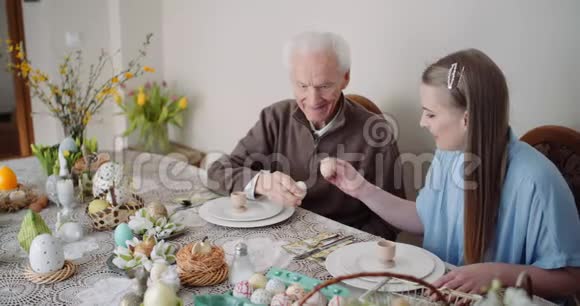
[(141, 98), (148, 69), (182, 103)]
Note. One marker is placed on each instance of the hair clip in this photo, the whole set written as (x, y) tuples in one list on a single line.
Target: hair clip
[(451, 75)]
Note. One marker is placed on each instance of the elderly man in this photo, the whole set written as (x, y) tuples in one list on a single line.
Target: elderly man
[(291, 137)]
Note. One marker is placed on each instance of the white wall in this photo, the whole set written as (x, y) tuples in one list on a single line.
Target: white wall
[(227, 54), (45, 25), (109, 25)]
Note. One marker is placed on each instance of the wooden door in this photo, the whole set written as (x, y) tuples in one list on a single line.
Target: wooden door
[(16, 132)]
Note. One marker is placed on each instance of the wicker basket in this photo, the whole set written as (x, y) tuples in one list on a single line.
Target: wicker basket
[(421, 296), (196, 270), (110, 217), (31, 198), (53, 277)]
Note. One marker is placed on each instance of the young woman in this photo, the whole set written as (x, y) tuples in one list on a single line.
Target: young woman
[(492, 205)]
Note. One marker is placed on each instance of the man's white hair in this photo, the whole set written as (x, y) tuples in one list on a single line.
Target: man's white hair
[(311, 42)]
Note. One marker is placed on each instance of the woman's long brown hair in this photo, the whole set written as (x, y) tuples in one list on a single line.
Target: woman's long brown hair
[(480, 88)]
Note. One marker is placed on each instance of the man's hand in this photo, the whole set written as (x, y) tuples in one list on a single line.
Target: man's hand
[(280, 188)]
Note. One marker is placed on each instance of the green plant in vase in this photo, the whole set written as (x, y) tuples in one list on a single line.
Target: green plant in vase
[(48, 155), (152, 108), (48, 158)]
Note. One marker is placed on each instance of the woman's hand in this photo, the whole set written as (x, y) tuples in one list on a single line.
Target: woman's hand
[(472, 278), (343, 175)]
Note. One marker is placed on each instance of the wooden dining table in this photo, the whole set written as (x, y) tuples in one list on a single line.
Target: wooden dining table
[(155, 178)]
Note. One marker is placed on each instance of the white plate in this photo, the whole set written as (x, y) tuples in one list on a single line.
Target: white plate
[(221, 208), (285, 214), (335, 268), (409, 260)]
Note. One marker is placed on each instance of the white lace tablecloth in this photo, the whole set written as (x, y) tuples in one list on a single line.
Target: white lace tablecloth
[(155, 179)]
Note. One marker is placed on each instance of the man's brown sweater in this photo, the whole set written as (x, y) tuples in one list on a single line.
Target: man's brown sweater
[(282, 140)]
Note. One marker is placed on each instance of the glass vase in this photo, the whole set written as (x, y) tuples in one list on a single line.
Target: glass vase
[(154, 138)]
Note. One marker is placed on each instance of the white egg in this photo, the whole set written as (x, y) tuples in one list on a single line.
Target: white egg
[(46, 254), (303, 187), (328, 167), (17, 196)]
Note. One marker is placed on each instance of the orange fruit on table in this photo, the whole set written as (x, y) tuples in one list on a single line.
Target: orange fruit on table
[(8, 180)]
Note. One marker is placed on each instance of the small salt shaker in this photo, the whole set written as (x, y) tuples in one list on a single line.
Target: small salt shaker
[(241, 268)]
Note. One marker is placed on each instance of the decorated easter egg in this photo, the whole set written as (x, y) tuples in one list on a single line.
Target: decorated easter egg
[(122, 195), (296, 291), (107, 175), (46, 254), (156, 210), (275, 286), (337, 301), (261, 296), (243, 289), (316, 299), (122, 234), (258, 281), (281, 299)]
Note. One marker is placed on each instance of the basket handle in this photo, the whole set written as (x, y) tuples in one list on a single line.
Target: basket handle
[(372, 274)]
